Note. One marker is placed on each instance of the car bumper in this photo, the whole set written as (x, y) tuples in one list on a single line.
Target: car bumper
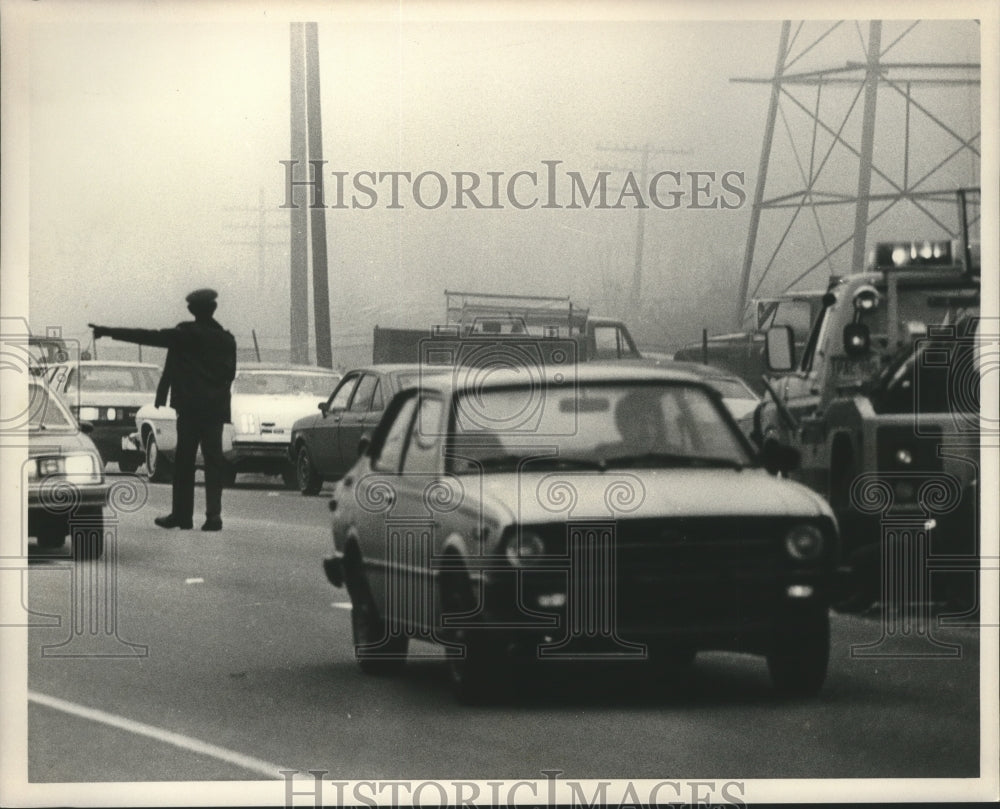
[(263, 455), (51, 508), (701, 611)]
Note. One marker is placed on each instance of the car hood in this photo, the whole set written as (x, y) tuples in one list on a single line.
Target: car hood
[(539, 497), (283, 409)]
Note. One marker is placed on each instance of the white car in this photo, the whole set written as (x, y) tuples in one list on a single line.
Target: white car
[(267, 400)]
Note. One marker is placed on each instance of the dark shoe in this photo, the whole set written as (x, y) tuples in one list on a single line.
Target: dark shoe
[(212, 524), (170, 521)]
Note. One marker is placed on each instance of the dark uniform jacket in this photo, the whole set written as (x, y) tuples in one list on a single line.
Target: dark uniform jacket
[(199, 369)]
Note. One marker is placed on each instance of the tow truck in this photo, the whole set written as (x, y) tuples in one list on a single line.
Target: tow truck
[(480, 325), (883, 405)]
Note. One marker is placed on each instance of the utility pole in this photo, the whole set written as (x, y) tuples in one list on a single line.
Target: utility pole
[(298, 313), (640, 234), (317, 224), (263, 284)]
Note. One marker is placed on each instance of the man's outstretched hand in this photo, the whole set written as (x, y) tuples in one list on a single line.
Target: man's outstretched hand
[(99, 331)]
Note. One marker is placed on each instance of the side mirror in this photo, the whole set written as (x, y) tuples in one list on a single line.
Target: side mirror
[(778, 457), (86, 427), (857, 339), (780, 349), (324, 407), (363, 443)]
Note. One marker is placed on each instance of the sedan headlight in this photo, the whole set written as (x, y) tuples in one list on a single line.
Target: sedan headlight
[(804, 542)]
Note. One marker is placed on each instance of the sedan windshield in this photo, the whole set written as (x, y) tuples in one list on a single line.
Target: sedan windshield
[(283, 383), (598, 426), (46, 412)]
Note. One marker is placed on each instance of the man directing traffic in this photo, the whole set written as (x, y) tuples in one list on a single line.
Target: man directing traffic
[(198, 372)]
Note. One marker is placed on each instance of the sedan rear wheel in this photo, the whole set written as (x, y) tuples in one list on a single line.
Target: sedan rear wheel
[(309, 480)]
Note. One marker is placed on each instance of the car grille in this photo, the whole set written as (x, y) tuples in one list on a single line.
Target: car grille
[(687, 573)]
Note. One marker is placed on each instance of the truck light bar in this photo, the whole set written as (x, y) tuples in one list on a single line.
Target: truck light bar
[(901, 255)]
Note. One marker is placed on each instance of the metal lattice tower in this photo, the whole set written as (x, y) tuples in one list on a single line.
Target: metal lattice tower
[(883, 139)]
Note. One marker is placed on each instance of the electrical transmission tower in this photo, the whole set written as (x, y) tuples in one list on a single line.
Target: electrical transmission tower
[(869, 140)]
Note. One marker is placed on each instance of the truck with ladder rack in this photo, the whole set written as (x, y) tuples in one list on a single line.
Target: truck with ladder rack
[(482, 328)]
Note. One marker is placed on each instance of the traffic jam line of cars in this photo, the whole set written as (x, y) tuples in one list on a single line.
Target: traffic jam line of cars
[(507, 516)]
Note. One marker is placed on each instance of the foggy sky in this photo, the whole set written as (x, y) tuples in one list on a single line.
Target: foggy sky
[(153, 141)]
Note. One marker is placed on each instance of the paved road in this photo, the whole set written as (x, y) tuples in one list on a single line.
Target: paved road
[(247, 667)]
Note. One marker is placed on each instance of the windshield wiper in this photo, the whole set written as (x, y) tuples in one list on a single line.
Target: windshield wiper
[(499, 461), (672, 459), (569, 462)]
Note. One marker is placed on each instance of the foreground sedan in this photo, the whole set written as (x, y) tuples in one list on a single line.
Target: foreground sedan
[(598, 512)]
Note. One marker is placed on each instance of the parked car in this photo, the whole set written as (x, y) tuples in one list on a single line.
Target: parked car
[(267, 398), (324, 445), (108, 394), (513, 517), (66, 487)]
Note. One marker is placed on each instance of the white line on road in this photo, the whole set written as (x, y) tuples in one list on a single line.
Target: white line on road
[(194, 581), (268, 770), (341, 605)]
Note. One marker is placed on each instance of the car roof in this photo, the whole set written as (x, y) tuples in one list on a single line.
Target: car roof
[(285, 366), (107, 363), (472, 378)]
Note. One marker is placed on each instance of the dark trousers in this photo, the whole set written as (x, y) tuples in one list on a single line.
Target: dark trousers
[(193, 430)]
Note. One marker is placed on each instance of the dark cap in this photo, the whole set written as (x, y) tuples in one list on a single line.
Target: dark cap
[(202, 296)]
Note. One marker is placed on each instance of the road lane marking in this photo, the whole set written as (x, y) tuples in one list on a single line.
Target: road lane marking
[(341, 605), (194, 581), (265, 768)]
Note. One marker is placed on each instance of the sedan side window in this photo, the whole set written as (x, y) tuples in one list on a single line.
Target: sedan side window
[(390, 454), (342, 395), (363, 395), (378, 403), (423, 454)]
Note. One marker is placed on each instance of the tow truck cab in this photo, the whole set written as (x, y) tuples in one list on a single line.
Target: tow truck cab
[(883, 402)]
